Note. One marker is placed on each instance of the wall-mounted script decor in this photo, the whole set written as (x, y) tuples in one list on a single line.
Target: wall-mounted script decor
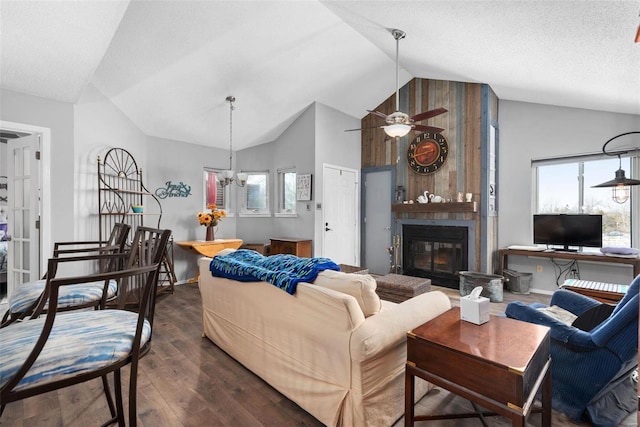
[(303, 187), (4, 189), (174, 190)]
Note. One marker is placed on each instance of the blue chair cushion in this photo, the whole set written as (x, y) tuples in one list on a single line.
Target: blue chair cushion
[(80, 342), (73, 295)]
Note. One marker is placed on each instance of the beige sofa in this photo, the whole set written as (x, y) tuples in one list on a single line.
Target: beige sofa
[(340, 356)]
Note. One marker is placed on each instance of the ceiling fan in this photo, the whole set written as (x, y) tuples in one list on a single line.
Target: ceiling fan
[(399, 123)]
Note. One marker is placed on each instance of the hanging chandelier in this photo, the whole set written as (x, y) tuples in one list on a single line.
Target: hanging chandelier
[(227, 176)]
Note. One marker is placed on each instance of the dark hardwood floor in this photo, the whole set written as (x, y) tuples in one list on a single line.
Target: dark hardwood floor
[(186, 380)]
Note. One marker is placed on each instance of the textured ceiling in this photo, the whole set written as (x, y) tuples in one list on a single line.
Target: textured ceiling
[(169, 65)]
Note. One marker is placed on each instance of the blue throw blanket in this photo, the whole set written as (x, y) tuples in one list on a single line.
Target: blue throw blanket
[(283, 271)]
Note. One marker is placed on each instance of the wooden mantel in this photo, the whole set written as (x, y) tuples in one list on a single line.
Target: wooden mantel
[(450, 207)]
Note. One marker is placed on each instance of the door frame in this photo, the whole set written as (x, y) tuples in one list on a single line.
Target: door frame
[(46, 246)]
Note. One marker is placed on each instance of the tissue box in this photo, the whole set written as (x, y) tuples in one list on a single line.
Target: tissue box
[(474, 310)]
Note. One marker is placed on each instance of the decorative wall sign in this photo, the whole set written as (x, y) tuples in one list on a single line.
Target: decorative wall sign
[(303, 187), (4, 186), (174, 190)]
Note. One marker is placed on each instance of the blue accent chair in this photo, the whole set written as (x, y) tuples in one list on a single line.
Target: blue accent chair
[(592, 370)]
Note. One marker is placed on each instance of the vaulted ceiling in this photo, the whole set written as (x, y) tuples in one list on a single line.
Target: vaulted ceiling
[(169, 65)]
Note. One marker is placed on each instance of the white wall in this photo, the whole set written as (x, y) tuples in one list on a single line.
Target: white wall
[(534, 131), (177, 162), (58, 117), (336, 147), (81, 132), (99, 126), (293, 148), (316, 137), (3, 155)]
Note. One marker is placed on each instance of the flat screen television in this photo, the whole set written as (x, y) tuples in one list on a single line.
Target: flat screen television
[(568, 230)]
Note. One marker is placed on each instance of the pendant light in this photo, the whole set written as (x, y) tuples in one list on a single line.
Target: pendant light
[(227, 176), (620, 184)]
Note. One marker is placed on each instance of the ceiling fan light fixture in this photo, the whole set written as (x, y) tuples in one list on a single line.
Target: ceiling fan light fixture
[(397, 130), (398, 123)]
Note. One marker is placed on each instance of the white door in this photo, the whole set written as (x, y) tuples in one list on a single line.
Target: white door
[(23, 217), (377, 220), (340, 215)]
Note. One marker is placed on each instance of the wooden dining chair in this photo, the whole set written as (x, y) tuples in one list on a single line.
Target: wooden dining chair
[(26, 297), (60, 349), (117, 240)]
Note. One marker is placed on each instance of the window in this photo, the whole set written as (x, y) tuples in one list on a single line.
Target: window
[(255, 199), (564, 186), (287, 192), (213, 192)]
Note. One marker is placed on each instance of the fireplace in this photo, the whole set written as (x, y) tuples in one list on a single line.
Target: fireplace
[(437, 252)]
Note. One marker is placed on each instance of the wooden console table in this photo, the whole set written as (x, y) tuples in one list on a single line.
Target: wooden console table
[(287, 245), (208, 248), (578, 256), (499, 365)]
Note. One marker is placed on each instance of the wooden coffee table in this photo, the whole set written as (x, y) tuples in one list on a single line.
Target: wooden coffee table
[(499, 365)]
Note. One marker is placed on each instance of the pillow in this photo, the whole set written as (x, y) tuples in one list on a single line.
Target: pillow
[(225, 251), (559, 314), (619, 250), (361, 286), (593, 316)]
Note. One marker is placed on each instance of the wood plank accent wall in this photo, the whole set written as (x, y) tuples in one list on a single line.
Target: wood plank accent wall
[(463, 168)]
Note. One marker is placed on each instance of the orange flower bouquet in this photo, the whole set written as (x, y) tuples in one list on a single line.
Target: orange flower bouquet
[(211, 218)]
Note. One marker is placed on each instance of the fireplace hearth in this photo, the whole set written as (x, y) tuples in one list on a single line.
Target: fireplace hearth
[(437, 252)]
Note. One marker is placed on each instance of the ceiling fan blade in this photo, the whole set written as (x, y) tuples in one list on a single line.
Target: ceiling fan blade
[(378, 113), (423, 128), (372, 127), (428, 114)]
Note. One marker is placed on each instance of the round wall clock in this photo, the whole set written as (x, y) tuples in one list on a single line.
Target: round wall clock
[(427, 153)]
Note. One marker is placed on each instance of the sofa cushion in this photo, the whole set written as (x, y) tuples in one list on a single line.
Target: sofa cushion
[(361, 286)]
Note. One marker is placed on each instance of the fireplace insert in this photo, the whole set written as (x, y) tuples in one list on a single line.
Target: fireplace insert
[(436, 252)]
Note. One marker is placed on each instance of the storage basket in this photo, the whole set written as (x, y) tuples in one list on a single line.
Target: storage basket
[(491, 284), (517, 282)]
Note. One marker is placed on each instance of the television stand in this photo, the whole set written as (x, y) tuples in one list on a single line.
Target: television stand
[(578, 256)]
